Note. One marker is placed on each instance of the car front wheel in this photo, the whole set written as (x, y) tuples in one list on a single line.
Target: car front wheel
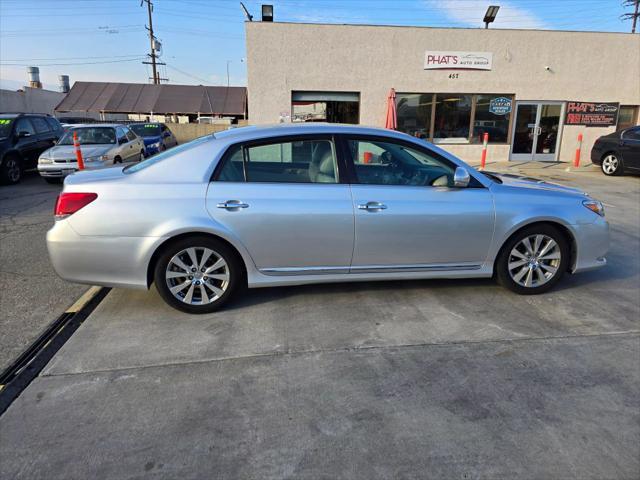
[(533, 260), (197, 274), (611, 164)]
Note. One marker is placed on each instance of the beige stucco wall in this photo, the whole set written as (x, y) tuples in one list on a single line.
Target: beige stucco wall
[(584, 66)]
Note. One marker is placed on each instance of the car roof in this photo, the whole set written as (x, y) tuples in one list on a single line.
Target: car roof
[(146, 123), (285, 129)]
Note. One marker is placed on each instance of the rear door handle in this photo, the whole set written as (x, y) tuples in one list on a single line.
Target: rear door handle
[(372, 206), (233, 205)]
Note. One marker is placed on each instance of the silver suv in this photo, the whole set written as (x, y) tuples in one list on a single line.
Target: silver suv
[(102, 145)]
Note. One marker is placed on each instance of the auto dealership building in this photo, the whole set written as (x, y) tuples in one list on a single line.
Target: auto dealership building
[(533, 92)]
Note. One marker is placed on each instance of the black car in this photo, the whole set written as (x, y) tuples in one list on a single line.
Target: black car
[(618, 152), (23, 137)]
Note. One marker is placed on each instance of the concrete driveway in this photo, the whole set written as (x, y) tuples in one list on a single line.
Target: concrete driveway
[(424, 379)]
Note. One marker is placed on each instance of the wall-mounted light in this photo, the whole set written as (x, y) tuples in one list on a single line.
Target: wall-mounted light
[(267, 13), (490, 16)]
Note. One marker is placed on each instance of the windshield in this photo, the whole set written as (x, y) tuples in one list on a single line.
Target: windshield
[(136, 167), (5, 127), (90, 136), (146, 129)]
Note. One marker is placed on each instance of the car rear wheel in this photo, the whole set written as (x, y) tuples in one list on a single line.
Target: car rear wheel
[(611, 164), (10, 170), (197, 274), (533, 260)]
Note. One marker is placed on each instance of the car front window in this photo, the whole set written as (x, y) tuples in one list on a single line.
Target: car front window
[(90, 136)]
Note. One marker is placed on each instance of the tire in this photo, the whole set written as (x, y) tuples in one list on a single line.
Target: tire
[(53, 180), (190, 297), (541, 272), (141, 157), (612, 164), (117, 159), (10, 170)]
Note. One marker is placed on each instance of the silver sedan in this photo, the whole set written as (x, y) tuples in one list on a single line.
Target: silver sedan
[(297, 204)]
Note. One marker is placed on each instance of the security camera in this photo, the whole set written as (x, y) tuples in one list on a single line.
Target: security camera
[(547, 68)]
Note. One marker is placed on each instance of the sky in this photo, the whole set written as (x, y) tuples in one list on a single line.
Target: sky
[(106, 40)]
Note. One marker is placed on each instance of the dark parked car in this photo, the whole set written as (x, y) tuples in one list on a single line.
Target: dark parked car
[(157, 136), (618, 152), (23, 137)]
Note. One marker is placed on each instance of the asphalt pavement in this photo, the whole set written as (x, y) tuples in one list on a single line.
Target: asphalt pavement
[(31, 294), (417, 379)]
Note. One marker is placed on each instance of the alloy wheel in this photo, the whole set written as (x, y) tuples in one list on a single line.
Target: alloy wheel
[(610, 164), (534, 260), (197, 276)]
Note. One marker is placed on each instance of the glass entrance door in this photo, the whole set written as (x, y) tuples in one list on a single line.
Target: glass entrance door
[(536, 131)]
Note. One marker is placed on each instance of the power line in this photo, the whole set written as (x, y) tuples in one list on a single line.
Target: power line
[(74, 63)]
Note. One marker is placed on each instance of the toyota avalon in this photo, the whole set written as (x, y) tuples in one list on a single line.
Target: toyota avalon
[(299, 204)]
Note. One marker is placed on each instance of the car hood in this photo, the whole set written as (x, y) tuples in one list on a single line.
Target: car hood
[(530, 183), (62, 152), (150, 140)]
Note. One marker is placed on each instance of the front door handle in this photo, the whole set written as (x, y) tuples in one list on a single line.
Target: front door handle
[(372, 206), (233, 205)]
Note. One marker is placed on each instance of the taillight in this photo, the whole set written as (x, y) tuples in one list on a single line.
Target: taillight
[(69, 203)]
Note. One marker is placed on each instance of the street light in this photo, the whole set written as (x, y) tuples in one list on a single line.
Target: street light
[(490, 16), (267, 13)]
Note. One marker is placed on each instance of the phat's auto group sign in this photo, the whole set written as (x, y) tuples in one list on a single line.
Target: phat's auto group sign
[(436, 60), (592, 114)]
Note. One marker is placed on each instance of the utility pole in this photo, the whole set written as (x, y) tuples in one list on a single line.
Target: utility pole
[(633, 16), (152, 43)]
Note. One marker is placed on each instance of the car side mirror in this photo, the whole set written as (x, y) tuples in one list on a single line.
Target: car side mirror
[(461, 178), (23, 134)]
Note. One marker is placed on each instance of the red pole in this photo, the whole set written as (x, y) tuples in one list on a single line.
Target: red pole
[(76, 145), (485, 141), (576, 160)]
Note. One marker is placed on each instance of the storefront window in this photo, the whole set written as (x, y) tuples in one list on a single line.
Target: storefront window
[(453, 118), (331, 107), (626, 117), (454, 115), (492, 115), (414, 114)]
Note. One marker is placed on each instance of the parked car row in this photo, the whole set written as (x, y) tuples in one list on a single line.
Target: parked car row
[(29, 141)]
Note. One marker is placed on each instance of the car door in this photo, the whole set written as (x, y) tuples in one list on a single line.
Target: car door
[(124, 149), (27, 142), (134, 144), (408, 215), (630, 148), (283, 199)]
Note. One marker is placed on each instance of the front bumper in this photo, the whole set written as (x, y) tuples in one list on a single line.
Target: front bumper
[(61, 170), (592, 245), (100, 260)]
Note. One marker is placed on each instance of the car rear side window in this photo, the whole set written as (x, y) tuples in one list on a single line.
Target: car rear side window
[(130, 135), (40, 124), (53, 123), (292, 161)]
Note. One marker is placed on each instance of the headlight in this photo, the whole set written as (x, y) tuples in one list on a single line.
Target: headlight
[(101, 158), (43, 160), (595, 206)]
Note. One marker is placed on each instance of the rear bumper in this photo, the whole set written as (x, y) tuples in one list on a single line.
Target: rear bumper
[(592, 245), (94, 260)]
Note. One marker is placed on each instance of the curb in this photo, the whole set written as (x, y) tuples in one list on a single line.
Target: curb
[(19, 374)]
